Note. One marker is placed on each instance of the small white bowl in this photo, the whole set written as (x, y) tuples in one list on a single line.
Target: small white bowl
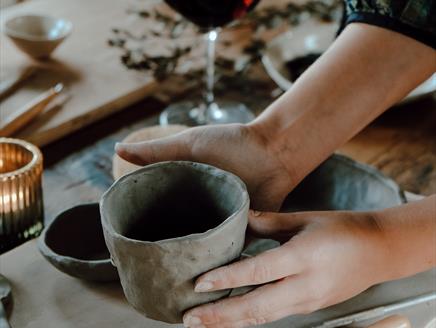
[(37, 35), (309, 37)]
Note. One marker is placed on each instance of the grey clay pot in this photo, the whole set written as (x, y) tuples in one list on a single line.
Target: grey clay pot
[(167, 223)]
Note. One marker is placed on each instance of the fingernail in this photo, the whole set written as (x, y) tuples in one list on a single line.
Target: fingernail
[(191, 321), (203, 286), (117, 145), (255, 213)]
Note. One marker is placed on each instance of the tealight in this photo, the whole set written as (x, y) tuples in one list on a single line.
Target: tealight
[(21, 203)]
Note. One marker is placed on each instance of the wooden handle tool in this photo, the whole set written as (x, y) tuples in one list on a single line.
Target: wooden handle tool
[(393, 321), (11, 82), (25, 114)]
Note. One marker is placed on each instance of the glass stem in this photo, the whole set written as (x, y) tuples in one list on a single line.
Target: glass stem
[(209, 78), (210, 66)]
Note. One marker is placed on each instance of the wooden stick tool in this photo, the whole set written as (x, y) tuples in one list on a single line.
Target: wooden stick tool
[(28, 112)]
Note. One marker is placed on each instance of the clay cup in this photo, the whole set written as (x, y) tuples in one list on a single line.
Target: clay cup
[(167, 223)]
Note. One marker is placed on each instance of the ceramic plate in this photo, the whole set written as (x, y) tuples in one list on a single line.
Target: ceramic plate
[(313, 37)]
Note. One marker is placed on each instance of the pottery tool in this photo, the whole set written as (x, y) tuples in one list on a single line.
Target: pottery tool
[(5, 295), (377, 312), (394, 321), (8, 85), (29, 111)]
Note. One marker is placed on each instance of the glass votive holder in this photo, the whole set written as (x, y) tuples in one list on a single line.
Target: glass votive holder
[(21, 203)]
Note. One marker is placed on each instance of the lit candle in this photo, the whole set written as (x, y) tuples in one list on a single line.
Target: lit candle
[(21, 207)]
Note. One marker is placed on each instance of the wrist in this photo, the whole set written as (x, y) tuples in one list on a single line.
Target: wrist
[(409, 237), (399, 258), (386, 260), (278, 143), (298, 149)]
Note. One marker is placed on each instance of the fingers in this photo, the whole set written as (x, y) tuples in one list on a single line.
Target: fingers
[(266, 267), (275, 225), (159, 150), (265, 304)]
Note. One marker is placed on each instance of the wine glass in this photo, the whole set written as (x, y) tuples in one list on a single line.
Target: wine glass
[(209, 15)]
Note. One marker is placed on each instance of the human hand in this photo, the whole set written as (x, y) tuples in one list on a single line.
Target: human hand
[(325, 258), (237, 148)]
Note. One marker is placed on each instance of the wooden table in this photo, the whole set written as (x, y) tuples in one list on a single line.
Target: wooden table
[(401, 143)]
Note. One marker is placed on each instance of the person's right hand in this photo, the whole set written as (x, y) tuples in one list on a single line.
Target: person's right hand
[(237, 148)]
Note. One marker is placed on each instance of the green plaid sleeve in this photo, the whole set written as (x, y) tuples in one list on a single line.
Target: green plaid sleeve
[(414, 18)]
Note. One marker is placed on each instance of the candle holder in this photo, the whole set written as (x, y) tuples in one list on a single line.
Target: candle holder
[(21, 204)]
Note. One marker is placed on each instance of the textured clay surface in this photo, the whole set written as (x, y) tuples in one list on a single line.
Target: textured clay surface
[(166, 224)]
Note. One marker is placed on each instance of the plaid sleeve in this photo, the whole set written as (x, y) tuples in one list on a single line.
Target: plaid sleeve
[(414, 18)]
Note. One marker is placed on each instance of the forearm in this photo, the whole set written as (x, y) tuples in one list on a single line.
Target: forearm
[(409, 234), (364, 72)]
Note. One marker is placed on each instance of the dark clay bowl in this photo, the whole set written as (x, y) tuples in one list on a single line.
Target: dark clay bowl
[(339, 183), (74, 244)]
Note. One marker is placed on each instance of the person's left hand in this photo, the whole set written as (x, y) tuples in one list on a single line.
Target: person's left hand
[(325, 258)]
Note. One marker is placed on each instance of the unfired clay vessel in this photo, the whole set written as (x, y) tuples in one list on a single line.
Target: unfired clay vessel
[(166, 224), (38, 36), (73, 243)]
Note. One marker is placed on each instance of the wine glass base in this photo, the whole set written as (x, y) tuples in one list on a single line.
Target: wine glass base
[(188, 113)]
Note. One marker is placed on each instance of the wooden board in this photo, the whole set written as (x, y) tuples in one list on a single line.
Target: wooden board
[(97, 83)]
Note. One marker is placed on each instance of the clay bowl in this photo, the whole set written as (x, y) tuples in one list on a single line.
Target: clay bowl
[(37, 36), (313, 36), (339, 183), (74, 244)]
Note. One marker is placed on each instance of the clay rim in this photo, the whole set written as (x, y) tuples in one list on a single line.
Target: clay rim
[(196, 236), (375, 173), (46, 250)]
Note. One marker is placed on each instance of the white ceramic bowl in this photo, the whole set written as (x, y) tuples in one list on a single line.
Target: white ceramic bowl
[(313, 37), (37, 35)]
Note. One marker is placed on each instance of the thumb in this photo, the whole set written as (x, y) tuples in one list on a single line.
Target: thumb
[(278, 226), (159, 150)]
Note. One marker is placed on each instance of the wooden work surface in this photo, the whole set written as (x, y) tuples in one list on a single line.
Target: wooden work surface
[(97, 83), (84, 63), (401, 143)]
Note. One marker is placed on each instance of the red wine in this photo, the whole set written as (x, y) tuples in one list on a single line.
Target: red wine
[(212, 13)]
